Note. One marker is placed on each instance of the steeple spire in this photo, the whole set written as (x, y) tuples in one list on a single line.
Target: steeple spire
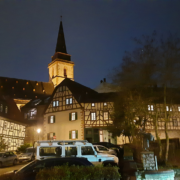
[(61, 45)]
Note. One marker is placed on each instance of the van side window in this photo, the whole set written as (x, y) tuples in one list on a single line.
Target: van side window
[(70, 151), (87, 150)]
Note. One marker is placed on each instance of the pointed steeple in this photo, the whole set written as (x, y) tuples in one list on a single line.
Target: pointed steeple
[(61, 45)]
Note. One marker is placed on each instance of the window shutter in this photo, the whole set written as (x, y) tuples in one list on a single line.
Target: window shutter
[(69, 134), (76, 115), (69, 116), (53, 134), (49, 119), (54, 118), (76, 134)]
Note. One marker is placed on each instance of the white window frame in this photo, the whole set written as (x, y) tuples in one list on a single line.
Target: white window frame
[(93, 116), (68, 101), (73, 134), (51, 119), (168, 108), (73, 116)]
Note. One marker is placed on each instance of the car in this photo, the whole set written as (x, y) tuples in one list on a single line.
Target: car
[(119, 150), (29, 155), (29, 171), (104, 150), (8, 158), (72, 148)]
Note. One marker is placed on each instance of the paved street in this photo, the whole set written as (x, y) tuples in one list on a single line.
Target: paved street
[(11, 168)]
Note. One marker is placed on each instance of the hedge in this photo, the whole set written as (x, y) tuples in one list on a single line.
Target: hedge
[(79, 173)]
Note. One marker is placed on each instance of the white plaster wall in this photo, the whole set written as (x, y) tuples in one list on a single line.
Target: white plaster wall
[(62, 125)]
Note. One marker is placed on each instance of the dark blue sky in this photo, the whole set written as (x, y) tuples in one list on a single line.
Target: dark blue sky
[(97, 32)]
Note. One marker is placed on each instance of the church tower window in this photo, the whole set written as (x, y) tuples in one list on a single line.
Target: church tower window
[(65, 72)]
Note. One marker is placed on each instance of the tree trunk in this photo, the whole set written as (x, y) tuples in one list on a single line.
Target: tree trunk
[(157, 136), (166, 127)]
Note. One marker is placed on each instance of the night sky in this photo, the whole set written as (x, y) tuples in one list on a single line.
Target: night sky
[(97, 32)]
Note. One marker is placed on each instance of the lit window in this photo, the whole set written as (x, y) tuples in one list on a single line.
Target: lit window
[(101, 135), (92, 104), (69, 101), (51, 119), (55, 103), (93, 116), (178, 108), (73, 116), (73, 134), (168, 108), (106, 115), (105, 104), (33, 113), (50, 135), (150, 107)]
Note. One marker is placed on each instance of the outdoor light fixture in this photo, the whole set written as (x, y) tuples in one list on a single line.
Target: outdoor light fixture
[(38, 130)]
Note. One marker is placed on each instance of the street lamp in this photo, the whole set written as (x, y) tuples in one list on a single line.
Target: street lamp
[(38, 131)]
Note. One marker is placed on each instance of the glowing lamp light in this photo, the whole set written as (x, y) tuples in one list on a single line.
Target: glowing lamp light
[(38, 130)]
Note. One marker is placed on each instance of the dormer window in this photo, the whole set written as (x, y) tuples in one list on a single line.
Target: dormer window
[(32, 113), (1, 108), (6, 109)]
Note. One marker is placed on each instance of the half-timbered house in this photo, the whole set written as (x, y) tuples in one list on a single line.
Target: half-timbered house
[(78, 112)]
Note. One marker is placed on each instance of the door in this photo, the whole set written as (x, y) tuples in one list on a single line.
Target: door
[(6, 159), (88, 152)]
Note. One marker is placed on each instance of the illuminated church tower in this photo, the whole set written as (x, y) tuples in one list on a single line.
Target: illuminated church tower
[(61, 66)]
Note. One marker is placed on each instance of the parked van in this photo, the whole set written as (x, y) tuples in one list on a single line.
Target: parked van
[(47, 149)]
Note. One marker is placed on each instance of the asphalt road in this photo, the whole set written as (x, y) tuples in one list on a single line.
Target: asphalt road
[(12, 168)]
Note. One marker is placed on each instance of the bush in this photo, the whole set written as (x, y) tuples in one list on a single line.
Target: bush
[(22, 148), (79, 173)]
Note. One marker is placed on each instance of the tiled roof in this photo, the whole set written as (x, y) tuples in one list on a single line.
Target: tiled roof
[(13, 111), (25, 89)]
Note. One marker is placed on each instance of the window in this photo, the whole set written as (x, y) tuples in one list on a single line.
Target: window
[(105, 104), (101, 148), (70, 151), (73, 134), (51, 119), (50, 151), (178, 108), (1, 108), (106, 115), (92, 104), (101, 135), (32, 113), (69, 101), (93, 116), (150, 108), (175, 122), (55, 103), (168, 108), (6, 109), (72, 116), (50, 136), (65, 72), (87, 150)]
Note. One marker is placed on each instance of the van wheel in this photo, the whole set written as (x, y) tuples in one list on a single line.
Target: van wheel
[(15, 162), (1, 165)]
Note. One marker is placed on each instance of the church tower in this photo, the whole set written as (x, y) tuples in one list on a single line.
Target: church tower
[(61, 66)]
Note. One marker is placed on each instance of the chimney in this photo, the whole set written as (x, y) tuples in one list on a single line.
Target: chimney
[(104, 79)]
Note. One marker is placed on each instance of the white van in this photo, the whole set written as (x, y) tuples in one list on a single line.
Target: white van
[(47, 149)]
